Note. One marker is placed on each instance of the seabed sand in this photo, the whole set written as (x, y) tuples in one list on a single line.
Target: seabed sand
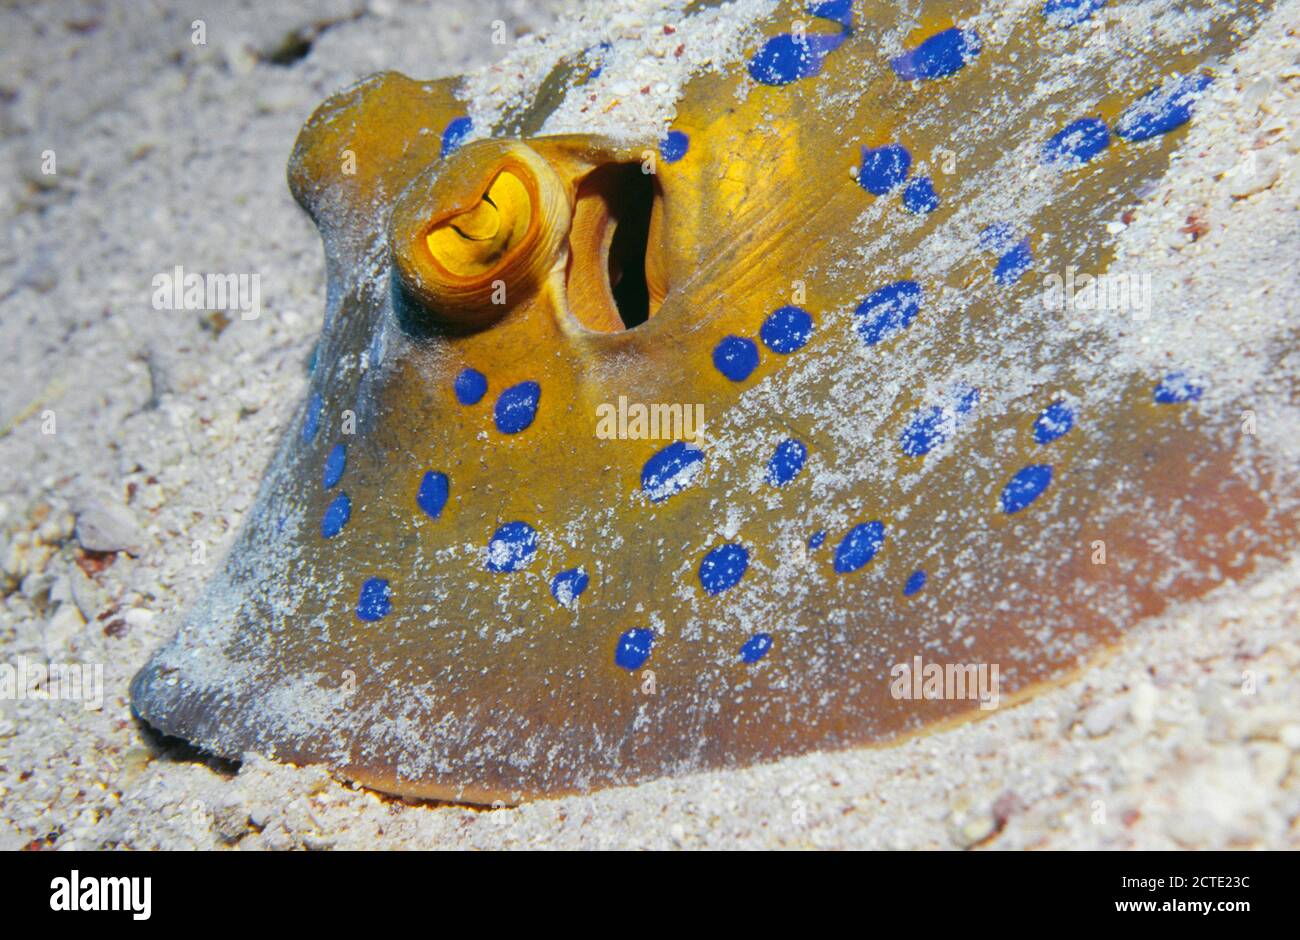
[(1185, 735)]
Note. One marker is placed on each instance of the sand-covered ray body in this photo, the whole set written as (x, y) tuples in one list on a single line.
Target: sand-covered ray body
[(455, 584)]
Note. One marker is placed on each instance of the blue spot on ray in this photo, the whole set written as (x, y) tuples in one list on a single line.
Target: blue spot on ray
[(336, 516), (1054, 421), (841, 11), (786, 462), (929, 426), (785, 59), (1076, 143), (736, 357), (786, 329), (454, 134), (755, 648), (311, 418), (967, 398), (1026, 486), (1176, 388), (723, 567), (923, 433), (919, 195), (883, 168), (511, 547), (939, 56), (1070, 12), (470, 386), (432, 495), (633, 648), (567, 586), (516, 407), (888, 310), (1160, 111), (335, 464), (1013, 264), (375, 600), (915, 581), (670, 470), (859, 546), (674, 146), (816, 540)]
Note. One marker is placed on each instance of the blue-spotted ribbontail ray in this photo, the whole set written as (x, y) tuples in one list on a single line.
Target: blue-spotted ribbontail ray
[(498, 557)]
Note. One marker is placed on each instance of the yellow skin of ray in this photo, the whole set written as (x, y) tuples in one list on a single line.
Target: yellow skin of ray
[(521, 697)]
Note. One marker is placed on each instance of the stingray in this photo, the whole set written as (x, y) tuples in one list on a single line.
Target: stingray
[(624, 459)]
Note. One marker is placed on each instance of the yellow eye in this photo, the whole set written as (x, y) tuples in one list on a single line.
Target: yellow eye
[(476, 234), (471, 243)]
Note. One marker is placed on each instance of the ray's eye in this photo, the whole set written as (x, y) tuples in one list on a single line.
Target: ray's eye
[(472, 243), (477, 233)]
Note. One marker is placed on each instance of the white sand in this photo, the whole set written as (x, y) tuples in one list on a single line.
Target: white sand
[(168, 153)]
